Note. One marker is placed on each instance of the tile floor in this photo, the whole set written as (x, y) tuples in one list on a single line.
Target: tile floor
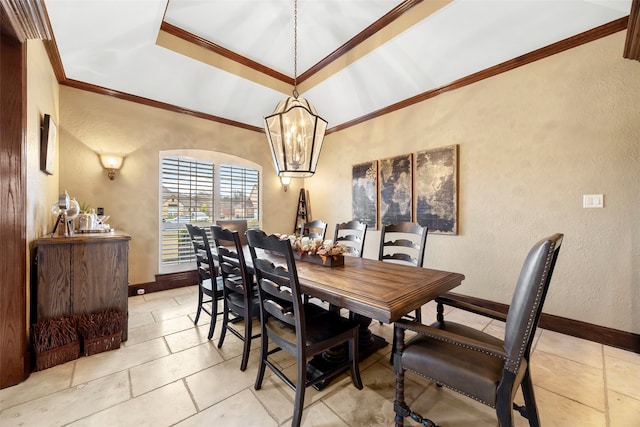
[(168, 374)]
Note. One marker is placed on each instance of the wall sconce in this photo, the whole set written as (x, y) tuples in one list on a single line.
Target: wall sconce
[(285, 180), (111, 162)]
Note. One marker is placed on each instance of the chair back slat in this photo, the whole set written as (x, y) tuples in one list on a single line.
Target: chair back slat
[(351, 234), (316, 229), (278, 286), (205, 263), (404, 242)]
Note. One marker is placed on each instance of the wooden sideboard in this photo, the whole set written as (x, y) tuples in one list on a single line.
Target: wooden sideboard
[(84, 273)]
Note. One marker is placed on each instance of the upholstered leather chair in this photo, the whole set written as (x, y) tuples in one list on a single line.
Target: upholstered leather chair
[(209, 284), (351, 234), (303, 330), (474, 363), (240, 293)]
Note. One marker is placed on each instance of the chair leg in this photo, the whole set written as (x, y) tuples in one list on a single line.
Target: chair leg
[(440, 315), (264, 350), (247, 340), (530, 400), (399, 405), (300, 390), (214, 315), (504, 402), (225, 323), (353, 357), (199, 305)]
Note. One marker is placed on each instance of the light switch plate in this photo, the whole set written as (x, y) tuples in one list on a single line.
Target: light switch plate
[(592, 201)]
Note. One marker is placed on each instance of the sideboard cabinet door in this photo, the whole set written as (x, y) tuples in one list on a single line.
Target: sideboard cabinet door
[(83, 274)]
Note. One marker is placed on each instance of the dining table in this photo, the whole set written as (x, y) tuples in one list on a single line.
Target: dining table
[(370, 290)]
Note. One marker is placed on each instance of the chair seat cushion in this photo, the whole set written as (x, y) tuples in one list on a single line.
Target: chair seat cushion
[(322, 325), (456, 367)]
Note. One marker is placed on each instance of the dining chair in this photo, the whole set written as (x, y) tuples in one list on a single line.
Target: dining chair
[(351, 234), (316, 229), (239, 225), (209, 283), (303, 330), (404, 243), (240, 302), (474, 363)]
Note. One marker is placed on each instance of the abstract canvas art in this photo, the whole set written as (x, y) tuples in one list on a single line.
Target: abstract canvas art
[(436, 189), (364, 192), (394, 182)]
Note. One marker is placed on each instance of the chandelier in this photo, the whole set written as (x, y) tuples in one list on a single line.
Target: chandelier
[(295, 131)]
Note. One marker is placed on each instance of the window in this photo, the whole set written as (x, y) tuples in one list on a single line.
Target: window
[(200, 191)]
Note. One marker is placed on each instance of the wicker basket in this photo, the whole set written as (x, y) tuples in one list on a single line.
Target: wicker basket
[(58, 355), (100, 344)]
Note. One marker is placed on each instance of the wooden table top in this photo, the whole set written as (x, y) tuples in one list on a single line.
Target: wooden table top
[(383, 291)]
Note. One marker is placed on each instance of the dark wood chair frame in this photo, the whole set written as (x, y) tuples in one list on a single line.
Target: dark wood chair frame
[(410, 250), (351, 234), (303, 330), (240, 293), (472, 362), (209, 283), (316, 229)]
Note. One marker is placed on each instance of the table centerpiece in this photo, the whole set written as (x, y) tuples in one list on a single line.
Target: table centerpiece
[(326, 253)]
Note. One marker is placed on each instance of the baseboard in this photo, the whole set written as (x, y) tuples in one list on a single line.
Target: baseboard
[(600, 334), (165, 282)]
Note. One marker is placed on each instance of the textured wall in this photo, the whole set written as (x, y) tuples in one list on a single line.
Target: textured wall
[(42, 189), (94, 124), (532, 142)]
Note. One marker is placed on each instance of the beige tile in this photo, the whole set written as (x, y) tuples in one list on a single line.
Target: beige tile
[(623, 377), (188, 299), (38, 384), (583, 383), (141, 318), (378, 392), (71, 404), (448, 408), (629, 356), (576, 349), (188, 338), (170, 293), (148, 306), (319, 415), (165, 370), (466, 318), (172, 312), (228, 373), (101, 364), (233, 412), (623, 410), (278, 397), (159, 329), (161, 407), (560, 411)]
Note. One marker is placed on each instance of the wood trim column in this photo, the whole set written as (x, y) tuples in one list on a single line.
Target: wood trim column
[(14, 356), (632, 44)]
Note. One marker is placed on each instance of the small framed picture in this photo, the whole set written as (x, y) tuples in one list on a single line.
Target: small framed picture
[(48, 145)]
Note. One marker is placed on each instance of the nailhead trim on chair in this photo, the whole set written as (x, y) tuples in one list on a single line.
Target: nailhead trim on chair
[(452, 388), (447, 340), (513, 365)]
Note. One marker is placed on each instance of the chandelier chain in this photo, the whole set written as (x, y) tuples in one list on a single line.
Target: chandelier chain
[(295, 49)]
